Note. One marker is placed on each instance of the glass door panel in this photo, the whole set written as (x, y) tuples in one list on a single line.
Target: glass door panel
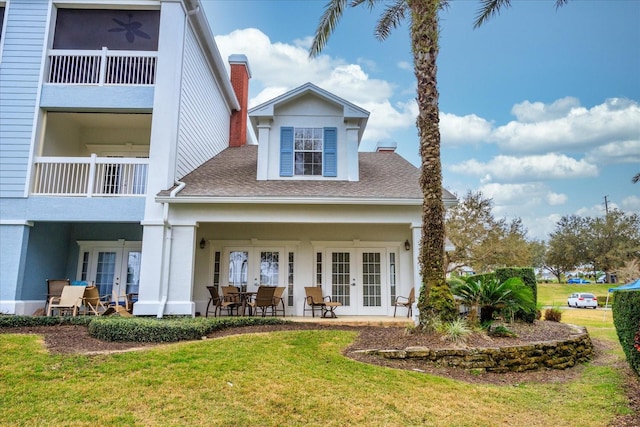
[(134, 259), (341, 277), (269, 268), (371, 280), (106, 264), (238, 269)]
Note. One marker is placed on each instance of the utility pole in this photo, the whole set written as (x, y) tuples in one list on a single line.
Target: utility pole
[(606, 205)]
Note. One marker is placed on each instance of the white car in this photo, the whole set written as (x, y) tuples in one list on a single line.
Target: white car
[(581, 299)]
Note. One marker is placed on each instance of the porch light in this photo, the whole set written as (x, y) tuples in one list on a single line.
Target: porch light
[(407, 245), (203, 243)]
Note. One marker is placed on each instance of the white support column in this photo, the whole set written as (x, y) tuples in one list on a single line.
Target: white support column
[(416, 237), (264, 130), (181, 272), (353, 169)]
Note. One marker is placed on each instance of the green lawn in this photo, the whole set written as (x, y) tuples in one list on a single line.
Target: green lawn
[(283, 378), (556, 294)]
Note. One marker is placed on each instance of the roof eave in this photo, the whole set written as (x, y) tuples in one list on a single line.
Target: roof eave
[(290, 200)]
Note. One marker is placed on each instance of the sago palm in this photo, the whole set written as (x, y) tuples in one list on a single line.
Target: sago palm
[(488, 295), (435, 302)]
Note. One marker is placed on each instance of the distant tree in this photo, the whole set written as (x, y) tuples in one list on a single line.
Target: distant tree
[(480, 240), (613, 240), (567, 246)]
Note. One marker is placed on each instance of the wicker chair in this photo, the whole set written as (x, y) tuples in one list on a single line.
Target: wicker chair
[(278, 301), (405, 302), (230, 299), (263, 300), (314, 299), (92, 302)]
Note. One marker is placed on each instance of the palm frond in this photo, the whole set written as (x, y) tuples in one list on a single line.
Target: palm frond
[(393, 15), (328, 21), (489, 9), (636, 178)]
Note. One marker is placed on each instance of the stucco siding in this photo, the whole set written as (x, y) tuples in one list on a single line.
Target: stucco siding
[(25, 23), (204, 118)]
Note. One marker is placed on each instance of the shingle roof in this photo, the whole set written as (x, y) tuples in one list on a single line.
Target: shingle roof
[(232, 174)]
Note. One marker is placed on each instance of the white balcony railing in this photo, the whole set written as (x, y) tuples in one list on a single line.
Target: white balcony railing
[(90, 176), (105, 67)]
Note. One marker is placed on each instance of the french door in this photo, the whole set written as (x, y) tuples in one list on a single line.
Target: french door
[(248, 268), (114, 267), (358, 279)]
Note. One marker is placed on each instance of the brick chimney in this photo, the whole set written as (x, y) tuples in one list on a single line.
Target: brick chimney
[(240, 75)]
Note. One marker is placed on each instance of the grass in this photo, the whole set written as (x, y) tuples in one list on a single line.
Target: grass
[(283, 378), (554, 294), (291, 378)]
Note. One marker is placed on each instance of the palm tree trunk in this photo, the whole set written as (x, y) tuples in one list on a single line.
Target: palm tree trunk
[(435, 302)]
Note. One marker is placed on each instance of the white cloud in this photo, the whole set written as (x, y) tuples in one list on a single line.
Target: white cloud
[(529, 168), (555, 199), (279, 67), (404, 65), (456, 130), (616, 152), (565, 126), (631, 204), (532, 112)]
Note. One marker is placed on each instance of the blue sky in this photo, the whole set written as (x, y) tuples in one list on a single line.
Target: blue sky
[(539, 108)]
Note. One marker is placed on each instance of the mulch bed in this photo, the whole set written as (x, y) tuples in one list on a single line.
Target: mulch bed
[(69, 339)]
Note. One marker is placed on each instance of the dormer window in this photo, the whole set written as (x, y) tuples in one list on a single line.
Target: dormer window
[(307, 147), (308, 151)]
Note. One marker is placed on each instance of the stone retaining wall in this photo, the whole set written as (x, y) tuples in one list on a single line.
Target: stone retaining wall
[(535, 356)]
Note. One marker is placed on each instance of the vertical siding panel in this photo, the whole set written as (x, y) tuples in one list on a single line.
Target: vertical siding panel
[(25, 22), (204, 119)]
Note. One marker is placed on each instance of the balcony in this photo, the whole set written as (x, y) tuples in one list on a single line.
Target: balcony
[(90, 176), (102, 67)]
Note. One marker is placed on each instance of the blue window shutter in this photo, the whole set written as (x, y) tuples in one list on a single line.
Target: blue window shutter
[(330, 155), (286, 151)]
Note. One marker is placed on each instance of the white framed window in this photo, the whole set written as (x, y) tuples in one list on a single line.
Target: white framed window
[(307, 147)]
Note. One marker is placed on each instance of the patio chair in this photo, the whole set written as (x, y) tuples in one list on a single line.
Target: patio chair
[(92, 302), (406, 302), (54, 289), (278, 301), (231, 299), (69, 301), (119, 305), (263, 300), (216, 302), (314, 299)]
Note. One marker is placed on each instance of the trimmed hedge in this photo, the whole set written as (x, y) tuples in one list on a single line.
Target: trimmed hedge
[(10, 321), (142, 329), (528, 276), (626, 318)]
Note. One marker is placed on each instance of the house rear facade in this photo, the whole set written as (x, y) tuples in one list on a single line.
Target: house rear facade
[(128, 160)]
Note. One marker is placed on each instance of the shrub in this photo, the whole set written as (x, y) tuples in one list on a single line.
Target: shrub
[(139, 329), (528, 277), (456, 331), (11, 321), (552, 315), (501, 331), (626, 318), (488, 294)]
